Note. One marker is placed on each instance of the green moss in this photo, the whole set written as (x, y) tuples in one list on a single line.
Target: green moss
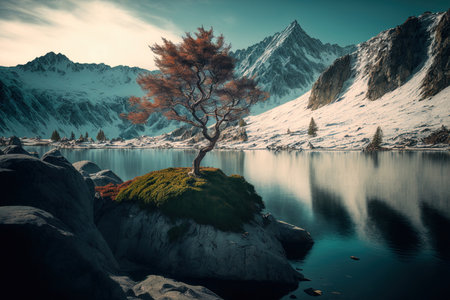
[(226, 202), (177, 231)]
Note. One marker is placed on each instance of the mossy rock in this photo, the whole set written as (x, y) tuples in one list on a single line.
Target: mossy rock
[(225, 202)]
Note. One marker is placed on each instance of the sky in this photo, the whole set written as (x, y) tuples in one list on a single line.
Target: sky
[(118, 32)]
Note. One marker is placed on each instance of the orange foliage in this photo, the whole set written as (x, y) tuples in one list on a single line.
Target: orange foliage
[(196, 83), (110, 191)]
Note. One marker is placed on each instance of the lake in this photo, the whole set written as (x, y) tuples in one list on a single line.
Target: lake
[(390, 209)]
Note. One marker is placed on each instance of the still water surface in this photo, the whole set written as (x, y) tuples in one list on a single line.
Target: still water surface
[(392, 210)]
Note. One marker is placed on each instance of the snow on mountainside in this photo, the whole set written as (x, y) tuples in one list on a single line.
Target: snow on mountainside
[(386, 83), (51, 92), (286, 64)]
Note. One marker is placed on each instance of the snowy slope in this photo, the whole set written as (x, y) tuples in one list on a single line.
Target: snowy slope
[(51, 92), (286, 64), (350, 120)]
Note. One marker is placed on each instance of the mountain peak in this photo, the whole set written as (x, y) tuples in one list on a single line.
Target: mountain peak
[(52, 58), (294, 26)]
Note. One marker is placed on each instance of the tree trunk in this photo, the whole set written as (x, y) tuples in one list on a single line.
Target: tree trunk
[(201, 154)]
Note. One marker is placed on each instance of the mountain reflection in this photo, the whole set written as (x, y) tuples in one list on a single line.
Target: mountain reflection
[(328, 205), (394, 228), (439, 230)]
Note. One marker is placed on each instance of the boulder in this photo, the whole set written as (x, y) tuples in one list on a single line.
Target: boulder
[(55, 157), (1, 152), (14, 140), (57, 188), (105, 177), (98, 176), (296, 241), (86, 167), (44, 259), (184, 249), (14, 149), (160, 287)]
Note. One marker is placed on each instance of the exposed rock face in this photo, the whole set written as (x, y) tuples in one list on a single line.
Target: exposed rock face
[(438, 76), (389, 60), (14, 149), (395, 64), (330, 83), (201, 251), (43, 259)]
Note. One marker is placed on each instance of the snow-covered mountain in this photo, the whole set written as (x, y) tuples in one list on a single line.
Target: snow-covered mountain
[(398, 80), (286, 64), (51, 92)]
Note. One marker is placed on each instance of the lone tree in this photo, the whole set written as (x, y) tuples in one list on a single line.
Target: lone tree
[(312, 129), (86, 135), (101, 136), (196, 86), (377, 139), (55, 136), (72, 136)]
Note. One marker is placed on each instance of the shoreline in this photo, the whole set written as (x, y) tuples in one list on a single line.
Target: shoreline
[(86, 146)]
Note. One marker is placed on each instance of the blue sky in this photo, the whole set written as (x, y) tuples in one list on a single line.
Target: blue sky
[(118, 31)]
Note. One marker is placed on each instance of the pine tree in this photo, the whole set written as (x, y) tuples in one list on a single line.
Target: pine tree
[(72, 136), (81, 138), (86, 136), (101, 136), (312, 129), (55, 136), (376, 140)]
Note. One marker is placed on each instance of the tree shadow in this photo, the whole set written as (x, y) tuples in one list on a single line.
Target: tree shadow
[(395, 228), (438, 227)]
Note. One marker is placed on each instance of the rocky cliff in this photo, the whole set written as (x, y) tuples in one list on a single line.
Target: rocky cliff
[(389, 60)]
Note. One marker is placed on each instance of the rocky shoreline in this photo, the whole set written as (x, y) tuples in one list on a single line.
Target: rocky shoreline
[(81, 246)]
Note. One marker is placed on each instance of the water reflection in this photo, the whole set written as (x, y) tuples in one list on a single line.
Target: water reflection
[(328, 205), (438, 227), (394, 228), (401, 196)]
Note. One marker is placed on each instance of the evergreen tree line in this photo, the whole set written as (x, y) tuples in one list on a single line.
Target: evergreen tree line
[(101, 137)]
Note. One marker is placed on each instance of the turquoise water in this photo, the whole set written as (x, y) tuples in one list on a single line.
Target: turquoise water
[(392, 210)]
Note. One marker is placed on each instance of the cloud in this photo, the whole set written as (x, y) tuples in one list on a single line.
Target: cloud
[(94, 32)]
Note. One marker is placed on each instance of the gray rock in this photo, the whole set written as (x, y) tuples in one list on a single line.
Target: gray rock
[(1, 152), (98, 176), (86, 167), (105, 177), (14, 149), (159, 287), (55, 157), (295, 240), (56, 188), (14, 140), (44, 259), (203, 252), (438, 75), (330, 83), (394, 66)]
